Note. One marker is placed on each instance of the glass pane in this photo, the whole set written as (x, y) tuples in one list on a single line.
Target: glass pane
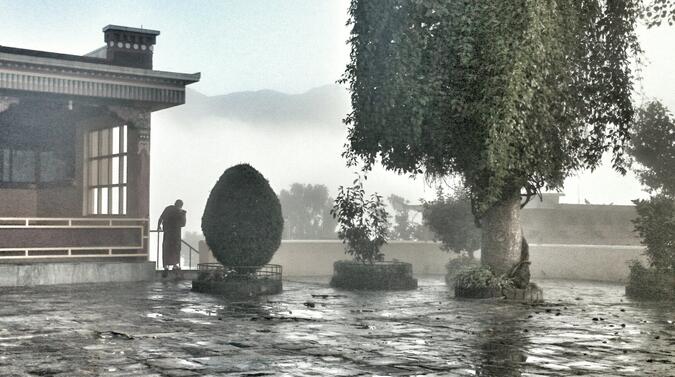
[(5, 165), (124, 139), (93, 173), (115, 204), (124, 169), (46, 170), (52, 167), (115, 175), (104, 201), (23, 166), (105, 142), (116, 140), (93, 201), (104, 171), (124, 200), (93, 144)]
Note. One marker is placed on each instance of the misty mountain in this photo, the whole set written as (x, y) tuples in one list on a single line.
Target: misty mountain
[(326, 106)]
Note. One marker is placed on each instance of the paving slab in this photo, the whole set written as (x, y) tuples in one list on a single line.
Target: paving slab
[(165, 329)]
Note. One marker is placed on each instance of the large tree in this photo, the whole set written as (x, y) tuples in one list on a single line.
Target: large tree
[(511, 95)]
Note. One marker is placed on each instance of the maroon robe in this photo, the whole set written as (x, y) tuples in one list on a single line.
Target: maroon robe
[(172, 219)]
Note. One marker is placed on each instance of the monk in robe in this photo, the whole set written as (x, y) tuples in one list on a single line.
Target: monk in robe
[(171, 220)]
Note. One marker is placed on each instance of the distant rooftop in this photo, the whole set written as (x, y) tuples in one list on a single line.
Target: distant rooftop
[(130, 29), (52, 55)]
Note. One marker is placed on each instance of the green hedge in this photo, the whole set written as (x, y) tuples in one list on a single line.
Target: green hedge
[(242, 221), (650, 283)]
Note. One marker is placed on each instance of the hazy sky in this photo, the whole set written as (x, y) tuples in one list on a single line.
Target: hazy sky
[(285, 45)]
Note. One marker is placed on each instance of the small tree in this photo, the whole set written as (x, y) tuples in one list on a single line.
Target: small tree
[(362, 222), (242, 221), (403, 228), (450, 219)]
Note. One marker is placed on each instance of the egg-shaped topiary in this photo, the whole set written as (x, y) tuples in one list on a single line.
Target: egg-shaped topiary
[(242, 221)]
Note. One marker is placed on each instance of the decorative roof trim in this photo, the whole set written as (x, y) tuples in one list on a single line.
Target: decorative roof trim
[(94, 68), (28, 81)]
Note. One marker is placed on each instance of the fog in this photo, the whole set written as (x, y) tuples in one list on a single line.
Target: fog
[(294, 138), (192, 149)]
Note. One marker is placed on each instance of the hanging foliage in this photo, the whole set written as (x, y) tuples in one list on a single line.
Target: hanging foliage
[(511, 95)]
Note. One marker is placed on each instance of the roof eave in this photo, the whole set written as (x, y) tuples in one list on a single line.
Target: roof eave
[(186, 78)]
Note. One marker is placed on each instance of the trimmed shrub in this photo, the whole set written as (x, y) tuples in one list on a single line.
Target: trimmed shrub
[(242, 221), (458, 265), (477, 277), (650, 283), (656, 226)]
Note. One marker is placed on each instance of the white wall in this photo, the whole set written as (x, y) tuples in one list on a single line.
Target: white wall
[(584, 262)]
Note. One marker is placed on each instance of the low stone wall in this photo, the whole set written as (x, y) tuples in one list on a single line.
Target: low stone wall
[(581, 262), (47, 273)]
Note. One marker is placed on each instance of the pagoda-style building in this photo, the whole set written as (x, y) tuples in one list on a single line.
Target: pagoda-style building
[(75, 157)]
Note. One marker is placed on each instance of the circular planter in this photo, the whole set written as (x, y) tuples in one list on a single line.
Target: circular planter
[(531, 294), (239, 281), (377, 276), (472, 292)]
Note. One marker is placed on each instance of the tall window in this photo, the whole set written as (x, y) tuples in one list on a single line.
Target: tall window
[(107, 171)]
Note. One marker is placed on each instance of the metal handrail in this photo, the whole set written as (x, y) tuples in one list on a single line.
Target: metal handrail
[(191, 248), (267, 271)]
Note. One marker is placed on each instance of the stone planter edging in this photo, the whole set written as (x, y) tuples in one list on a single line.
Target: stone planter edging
[(352, 275)]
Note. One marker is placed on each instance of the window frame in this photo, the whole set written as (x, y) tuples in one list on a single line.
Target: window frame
[(106, 185)]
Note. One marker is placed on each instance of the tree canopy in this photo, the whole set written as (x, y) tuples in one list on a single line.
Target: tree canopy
[(653, 147), (306, 210), (657, 11), (449, 217), (507, 94)]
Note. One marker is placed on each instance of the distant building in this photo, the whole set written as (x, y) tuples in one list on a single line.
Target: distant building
[(547, 221), (75, 152)]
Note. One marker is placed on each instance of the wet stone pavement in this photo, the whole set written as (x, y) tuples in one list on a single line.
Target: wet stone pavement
[(164, 329)]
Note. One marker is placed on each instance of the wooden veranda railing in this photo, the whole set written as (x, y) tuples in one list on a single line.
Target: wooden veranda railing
[(46, 237)]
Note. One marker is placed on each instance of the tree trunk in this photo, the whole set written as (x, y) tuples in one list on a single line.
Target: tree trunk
[(501, 236)]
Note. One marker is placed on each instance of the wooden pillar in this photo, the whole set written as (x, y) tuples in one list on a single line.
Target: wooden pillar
[(138, 169), (139, 172)]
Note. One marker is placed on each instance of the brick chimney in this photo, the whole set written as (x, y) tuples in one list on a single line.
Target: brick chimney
[(129, 47)]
